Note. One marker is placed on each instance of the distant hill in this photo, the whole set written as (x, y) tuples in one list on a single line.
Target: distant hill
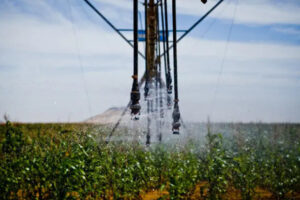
[(110, 116)]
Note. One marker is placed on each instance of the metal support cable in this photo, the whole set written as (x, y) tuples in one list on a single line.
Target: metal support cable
[(111, 25), (79, 57), (200, 20), (195, 24), (228, 39)]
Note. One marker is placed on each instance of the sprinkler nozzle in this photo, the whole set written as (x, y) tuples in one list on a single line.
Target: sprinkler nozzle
[(169, 84), (135, 106), (175, 129), (135, 111), (176, 132), (176, 117)]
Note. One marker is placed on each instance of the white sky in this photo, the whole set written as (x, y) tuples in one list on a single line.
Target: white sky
[(54, 70)]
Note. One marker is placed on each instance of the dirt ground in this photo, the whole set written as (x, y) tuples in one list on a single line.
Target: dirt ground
[(232, 194)]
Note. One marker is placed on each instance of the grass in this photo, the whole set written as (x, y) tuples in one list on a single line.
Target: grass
[(72, 161)]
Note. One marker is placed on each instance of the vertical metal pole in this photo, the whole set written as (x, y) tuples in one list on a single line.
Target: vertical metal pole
[(147, 73), (135, 94), (164, 37), (158, 68), (176, 113), (135, 27), (175, 49), (148, 124), (152, 37), (169, 81), (146, 89)]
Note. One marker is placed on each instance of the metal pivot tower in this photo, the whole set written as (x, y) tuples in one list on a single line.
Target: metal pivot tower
[(153, 59), (151, 39), (151, 67), (157, 90)]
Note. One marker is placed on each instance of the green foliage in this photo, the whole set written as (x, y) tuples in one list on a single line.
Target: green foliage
[(13, 141), (72, 161), (245, 174), (182, 174), (216, 167)]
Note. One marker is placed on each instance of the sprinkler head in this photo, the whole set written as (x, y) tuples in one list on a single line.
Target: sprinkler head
[(175, 129), (176, 125), (135, 106), (170, 88), (176, 114), (169, 84), (176, 117), (176, 132), (135, 110)]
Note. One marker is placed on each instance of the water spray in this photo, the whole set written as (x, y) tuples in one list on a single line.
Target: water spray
[(158, 93)]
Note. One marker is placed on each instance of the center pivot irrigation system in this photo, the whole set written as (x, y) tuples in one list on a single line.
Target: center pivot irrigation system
[(158, 89)]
